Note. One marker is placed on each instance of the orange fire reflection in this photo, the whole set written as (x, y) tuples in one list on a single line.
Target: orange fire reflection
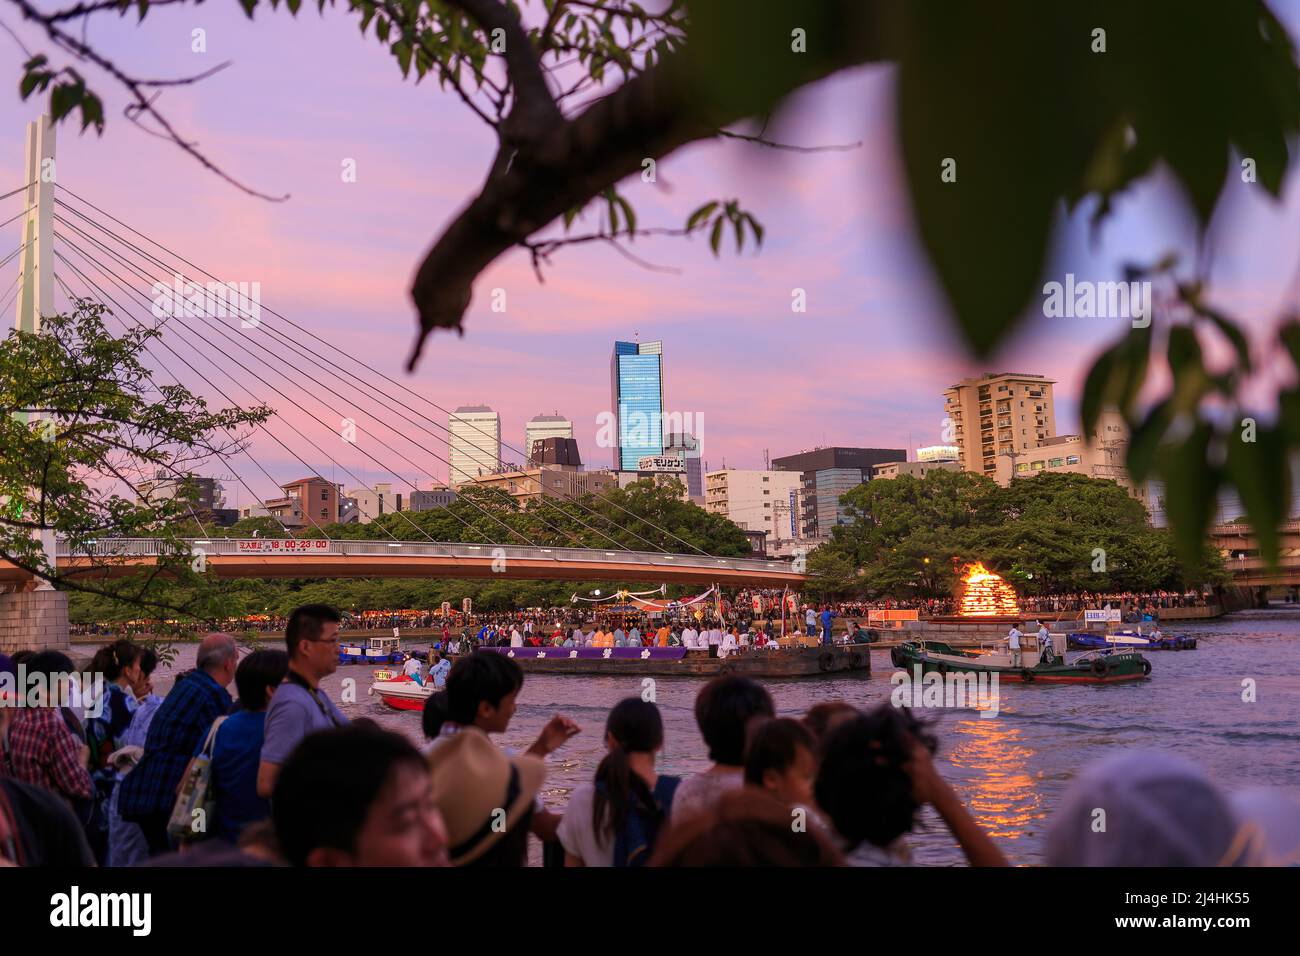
[(986, 594)]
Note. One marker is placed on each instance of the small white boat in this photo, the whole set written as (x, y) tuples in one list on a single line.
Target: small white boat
[(401, 692)]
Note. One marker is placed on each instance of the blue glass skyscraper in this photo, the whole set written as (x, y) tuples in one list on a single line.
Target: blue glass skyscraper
[(637, 387)]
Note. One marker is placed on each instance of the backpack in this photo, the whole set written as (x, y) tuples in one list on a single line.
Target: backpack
[(633, 844)]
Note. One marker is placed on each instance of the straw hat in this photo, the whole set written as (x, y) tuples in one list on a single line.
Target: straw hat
[(473, 782)]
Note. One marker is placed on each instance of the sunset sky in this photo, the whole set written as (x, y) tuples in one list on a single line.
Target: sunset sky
[(866, 365)]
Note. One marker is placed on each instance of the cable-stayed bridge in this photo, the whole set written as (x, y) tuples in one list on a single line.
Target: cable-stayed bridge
[(247, 354)]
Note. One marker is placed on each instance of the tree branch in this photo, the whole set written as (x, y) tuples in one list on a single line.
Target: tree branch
[(534, 110), (648, 117)]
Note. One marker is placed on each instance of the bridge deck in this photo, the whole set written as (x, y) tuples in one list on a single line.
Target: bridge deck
[(312, 558)]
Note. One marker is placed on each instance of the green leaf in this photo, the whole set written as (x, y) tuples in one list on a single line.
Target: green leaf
[(64, 98), (1191, 381), (1145, 441), (1289, 334), (701, 215), (613, 213), (92, 112), (1191, 486), (250, 5), (716, 237), (402, 50), (629, 216), (1260, 472), (1097, 387), (31, 81)]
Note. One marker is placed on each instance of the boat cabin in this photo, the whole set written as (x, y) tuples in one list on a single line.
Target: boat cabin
[(383, 645)]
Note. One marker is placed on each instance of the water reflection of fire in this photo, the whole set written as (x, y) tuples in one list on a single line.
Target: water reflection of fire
[(985, 594)]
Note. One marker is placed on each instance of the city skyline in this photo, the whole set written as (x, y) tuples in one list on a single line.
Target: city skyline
[(765, 379)]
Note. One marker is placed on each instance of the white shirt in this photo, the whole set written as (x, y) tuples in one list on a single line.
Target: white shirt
[(688, 637), (1044, 637), (1013, 639), (576, 833), (411, 668), (516, 639)]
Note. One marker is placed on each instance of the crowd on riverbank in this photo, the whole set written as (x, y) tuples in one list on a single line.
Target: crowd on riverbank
[(1150, 603), (201, 778), (750, 607)]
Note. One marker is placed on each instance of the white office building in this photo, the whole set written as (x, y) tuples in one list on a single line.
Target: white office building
[(474, 443), (767, 501), (545, 426)]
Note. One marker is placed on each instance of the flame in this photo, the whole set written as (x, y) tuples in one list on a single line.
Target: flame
[(986, 594)]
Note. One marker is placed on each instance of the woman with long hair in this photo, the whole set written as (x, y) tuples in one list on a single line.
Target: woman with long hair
[(107, 720), (615, 820)]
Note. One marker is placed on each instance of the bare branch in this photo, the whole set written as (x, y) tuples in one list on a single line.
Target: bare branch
[(141, 104), (761, 141)]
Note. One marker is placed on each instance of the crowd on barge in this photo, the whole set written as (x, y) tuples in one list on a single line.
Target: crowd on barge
[(201, 778)]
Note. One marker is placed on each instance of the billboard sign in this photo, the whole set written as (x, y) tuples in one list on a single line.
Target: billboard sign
[(1101, 617), (282, 545), (662, 463)]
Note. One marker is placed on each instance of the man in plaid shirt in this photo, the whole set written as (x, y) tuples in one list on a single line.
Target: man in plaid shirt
[(39, 748), (148, 793)]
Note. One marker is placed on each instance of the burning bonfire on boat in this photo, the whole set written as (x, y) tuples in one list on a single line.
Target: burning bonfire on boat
[(985, 594), (1035, 656)]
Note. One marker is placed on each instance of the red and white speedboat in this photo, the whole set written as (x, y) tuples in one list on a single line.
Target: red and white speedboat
[(400, 691)]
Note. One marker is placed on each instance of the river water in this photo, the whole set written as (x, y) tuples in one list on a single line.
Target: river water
[(1011, 770)]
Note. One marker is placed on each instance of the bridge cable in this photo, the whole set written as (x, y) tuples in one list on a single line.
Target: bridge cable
[(350, 380), (134, 488), (294, 368), (363, 364), (94, 288), (123, 284)]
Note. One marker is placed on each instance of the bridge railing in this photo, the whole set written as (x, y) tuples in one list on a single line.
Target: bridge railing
[(153, 547)]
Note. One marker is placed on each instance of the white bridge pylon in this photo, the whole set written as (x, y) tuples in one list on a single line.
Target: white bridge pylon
[(36, 262)]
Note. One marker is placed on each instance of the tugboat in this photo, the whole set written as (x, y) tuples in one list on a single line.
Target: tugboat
[(1095, 667), (1135, 640), (381, 650)]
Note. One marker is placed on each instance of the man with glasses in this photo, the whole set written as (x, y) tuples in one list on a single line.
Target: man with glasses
[(299, 707)]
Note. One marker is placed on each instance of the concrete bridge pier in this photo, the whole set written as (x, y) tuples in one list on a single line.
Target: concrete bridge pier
[(34, 621)]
